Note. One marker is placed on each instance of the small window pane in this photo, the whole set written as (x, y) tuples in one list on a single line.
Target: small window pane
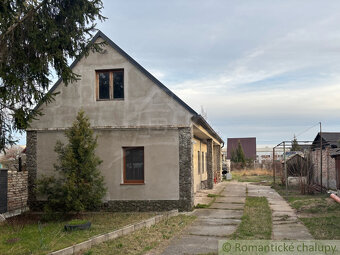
[(104, 85), (134, 164), (118, 84), (202, 162), (199, 162)]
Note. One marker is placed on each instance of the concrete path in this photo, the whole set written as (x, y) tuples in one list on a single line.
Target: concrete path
[(224, 216), (286, 225), (201, 196), (212, 224)]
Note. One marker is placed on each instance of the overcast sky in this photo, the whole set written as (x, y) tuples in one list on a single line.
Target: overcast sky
[(269, 69), (264, 68)]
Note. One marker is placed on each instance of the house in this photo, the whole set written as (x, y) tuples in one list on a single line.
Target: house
[(156, 150), (330, 144), (335, 154), (248, 145)]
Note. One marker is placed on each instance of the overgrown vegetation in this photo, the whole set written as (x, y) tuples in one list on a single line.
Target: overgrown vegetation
[(80, 186), (28, 234), (256, 220), (254, 175), (145, 239), (318, 212)]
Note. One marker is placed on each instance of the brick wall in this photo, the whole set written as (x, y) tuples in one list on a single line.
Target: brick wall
[(17, 190), (328, 168)]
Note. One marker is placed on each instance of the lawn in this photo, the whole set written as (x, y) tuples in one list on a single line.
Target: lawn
[(318, 212), (256, 220), (145, 239), (26, 234), (253, 175)]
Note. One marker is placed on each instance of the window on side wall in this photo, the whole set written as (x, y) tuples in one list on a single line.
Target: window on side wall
[(133, 164), (110, 84), (203, 162), (199, 162)]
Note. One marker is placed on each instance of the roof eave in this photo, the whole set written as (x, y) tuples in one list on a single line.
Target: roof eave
[(198, 119)]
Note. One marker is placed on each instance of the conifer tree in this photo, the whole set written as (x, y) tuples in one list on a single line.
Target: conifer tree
[(295, 145), (237, 155), (80, 186), (37, 39)]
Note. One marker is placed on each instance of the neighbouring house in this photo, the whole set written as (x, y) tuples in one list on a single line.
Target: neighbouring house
[(248, 145), (335, 154), (156, 150), (330, 145)]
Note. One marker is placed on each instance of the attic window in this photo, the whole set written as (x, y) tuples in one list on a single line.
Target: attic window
[(110, 84)]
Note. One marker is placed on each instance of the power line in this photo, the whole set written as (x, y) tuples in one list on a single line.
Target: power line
[(307, 130)]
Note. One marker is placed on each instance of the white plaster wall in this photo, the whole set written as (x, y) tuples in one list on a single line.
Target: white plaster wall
[(144, 103), (161, 169)]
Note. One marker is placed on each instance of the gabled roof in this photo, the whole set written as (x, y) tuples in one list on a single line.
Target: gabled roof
[(133, 62), (196, 116), (328, 139)]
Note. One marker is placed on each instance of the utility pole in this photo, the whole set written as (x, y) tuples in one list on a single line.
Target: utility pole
[(274, 170), (320, 157), (285, 165)]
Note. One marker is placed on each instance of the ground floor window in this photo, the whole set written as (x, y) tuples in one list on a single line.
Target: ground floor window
[(133, 164), (203, 166)]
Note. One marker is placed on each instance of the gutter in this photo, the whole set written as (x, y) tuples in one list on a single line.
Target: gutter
[(198, 119)]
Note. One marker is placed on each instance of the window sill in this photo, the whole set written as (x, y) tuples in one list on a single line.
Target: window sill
[(133, 183), (115, 99)]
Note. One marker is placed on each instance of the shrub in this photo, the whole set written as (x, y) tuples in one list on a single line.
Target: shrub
[(80, 186)]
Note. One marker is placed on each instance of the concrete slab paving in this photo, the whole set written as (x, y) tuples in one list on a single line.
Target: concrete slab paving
[(224, 216), (212, 230), (218, 222), (227, 206), (192, 244), (219, 213), (212, 224), (286, 225), (228, 199)]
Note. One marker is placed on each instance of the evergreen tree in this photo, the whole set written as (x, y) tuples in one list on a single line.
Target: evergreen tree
[(80, 186), (295, 145), (36, 38), (237, 155), (240, 153)]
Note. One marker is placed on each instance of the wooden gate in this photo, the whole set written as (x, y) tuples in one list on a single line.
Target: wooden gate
[(3, 190)]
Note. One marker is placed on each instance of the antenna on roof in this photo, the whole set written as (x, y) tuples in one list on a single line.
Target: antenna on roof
[(204, 113)]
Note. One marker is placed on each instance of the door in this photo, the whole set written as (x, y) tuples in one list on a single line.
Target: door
[(337, 169), (3, 191)]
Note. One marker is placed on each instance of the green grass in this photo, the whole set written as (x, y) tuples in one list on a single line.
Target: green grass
[(145, 239), (214, 195), (26, 235), (77, 222), (201, 206), (318, 212), (240, 177), (326, 228), (256, 221)]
